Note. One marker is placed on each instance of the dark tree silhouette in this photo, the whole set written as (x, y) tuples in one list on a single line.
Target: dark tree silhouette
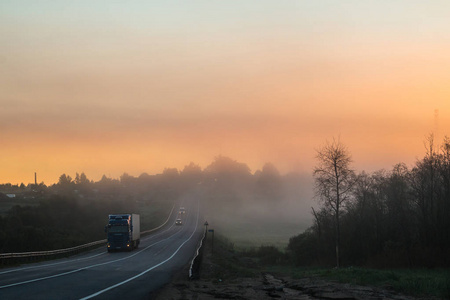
[(334, 181), (269, 185), (65, 179)]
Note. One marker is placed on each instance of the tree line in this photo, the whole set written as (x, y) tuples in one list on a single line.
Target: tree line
[(74, 210), (388, 218), (396, 218)]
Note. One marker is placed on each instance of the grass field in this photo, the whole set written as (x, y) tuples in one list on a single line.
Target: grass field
[(251, 232), (416, 282), (424, 283), (154, 214)]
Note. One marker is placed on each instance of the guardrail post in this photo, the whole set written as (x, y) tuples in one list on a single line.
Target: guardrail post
[(13, 258)]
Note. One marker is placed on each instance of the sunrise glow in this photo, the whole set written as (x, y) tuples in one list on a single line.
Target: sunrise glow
[(111, 87)]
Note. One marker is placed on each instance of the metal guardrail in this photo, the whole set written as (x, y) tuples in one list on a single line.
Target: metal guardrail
[(51, 252), (45, 254), (195, 263), (156, 228)]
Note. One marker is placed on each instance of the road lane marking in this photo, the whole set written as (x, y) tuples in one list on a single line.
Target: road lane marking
[(76, 260), (52, 264), (146, 271), (85, 268)]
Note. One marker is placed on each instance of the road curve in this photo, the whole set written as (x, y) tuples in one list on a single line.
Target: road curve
[(117, 275)]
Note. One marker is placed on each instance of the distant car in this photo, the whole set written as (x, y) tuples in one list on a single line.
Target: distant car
[(182, 210), (178, 222)]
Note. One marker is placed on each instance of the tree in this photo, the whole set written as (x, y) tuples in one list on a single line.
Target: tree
[(227, 173), (445, 198), (192, 174), (223, 166), (192, 168), (364, 219), (127, 180), (269, 185), (334, 181), (227, 182), (81, 178), (65, 179)]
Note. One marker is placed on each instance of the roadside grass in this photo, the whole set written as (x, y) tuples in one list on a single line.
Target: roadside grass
[(249, 236), (416, 282), (226, 262), (253, 232), (154, 214), (234, 261)]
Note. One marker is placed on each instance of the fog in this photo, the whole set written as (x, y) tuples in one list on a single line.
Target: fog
[(389, 213), (249, 208), (120, 87), (260, 208)]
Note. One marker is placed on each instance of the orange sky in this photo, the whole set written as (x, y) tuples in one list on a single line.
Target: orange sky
[(108, 88)]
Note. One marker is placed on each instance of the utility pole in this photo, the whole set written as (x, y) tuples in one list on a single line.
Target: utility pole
[(206, 225), (206, 232)]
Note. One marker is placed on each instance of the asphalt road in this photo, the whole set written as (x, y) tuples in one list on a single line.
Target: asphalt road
[(98, 274)]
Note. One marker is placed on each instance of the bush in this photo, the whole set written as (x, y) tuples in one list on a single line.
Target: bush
[(269, 255)]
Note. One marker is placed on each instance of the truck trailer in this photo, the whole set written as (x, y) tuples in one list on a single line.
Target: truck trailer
[(124, 232)]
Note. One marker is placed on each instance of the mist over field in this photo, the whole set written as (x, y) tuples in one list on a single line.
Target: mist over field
[(251, 209), (250, 92), (267, 209), (113, 87), (396, 217)]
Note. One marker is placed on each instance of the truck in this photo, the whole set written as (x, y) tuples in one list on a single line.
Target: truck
[(124, 232)]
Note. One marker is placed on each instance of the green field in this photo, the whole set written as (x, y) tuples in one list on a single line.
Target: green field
[(417, 282), (251, 232), (154, 214), (423, 283)]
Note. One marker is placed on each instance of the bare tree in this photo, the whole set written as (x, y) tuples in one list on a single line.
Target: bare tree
[(334, 181)]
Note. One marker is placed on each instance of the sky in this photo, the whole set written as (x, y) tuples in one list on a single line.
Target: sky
[(113, 87)]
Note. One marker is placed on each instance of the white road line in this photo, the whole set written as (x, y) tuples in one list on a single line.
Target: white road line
[(149, 269), (76, 260), (84, 268), (52, 264)]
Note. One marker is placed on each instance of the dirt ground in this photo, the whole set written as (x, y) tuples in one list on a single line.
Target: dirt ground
[(220, 281)]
